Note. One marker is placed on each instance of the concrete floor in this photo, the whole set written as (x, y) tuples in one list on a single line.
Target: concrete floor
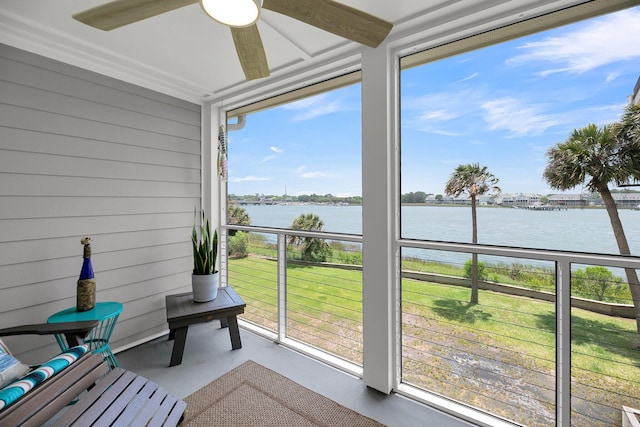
[(208, 355)]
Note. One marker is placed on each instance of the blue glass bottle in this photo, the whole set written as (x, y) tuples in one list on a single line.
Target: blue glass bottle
[(86, 290), (87, 268)]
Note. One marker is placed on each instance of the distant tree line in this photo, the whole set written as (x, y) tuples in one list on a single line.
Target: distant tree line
[(304, 198), (306, 248), (409, 198), (421, 197), (414, 197)]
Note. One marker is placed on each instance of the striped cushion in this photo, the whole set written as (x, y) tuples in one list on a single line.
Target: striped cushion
[(10, 368), (20, 387)]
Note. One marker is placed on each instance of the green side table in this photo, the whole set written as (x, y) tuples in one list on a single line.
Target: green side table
[(106, 313)]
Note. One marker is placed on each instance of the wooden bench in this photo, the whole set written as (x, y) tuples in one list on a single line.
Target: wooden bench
[(120, 398), (117, 397)]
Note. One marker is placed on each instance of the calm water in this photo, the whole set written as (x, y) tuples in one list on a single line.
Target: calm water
[(585, 230)]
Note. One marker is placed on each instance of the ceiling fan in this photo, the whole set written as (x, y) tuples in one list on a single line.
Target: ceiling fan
[(327, 15)]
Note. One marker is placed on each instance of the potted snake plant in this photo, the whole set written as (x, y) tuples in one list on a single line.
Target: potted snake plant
[(204, 280)]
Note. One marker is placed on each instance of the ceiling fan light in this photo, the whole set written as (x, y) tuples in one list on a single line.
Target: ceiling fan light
[(234, 13)]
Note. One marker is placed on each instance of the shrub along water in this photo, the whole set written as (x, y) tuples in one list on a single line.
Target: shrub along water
[(595, 283)]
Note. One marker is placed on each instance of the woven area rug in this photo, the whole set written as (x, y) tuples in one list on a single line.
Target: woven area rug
[(252, 395)]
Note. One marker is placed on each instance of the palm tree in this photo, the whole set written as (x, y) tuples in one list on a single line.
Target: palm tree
[(313, 249), (475, 180), (237, 215), (595, 157)]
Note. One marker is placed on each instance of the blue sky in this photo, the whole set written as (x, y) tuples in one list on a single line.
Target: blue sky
[(502, 106)]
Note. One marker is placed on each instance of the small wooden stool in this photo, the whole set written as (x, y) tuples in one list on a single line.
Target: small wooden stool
[(182, 311)]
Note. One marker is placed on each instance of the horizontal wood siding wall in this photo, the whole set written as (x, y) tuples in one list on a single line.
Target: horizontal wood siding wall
[(82, 154)]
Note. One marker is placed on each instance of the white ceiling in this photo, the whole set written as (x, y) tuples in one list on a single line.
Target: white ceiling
[(185, 54)]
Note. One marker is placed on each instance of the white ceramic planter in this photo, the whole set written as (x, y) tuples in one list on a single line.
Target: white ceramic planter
[(205, 287)]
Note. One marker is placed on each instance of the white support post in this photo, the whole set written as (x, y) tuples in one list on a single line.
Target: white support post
[(209, 188), (210, 185), (282, 287), (563, 343), (379, 129)]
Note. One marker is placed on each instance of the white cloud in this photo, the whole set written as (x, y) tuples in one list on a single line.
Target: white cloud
[(313, 107), (440, 132), (270, 157), (600, 42), (433, 109), (445, 104), (598, 114), (249, 178), (305, 103), (303, 173), (472, 76), (438, 115), (612, 76), (517, 118)]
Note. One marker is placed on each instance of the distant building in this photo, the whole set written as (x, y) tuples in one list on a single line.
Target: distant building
[(623, 200), (627, 200), (460, 200), (534, 200), (519, 200), (568, 200), (463, 199)]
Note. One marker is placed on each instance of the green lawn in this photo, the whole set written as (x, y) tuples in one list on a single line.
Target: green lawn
[(486, 354), (502, 350)]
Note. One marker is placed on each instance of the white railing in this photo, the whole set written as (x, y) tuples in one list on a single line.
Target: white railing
[(598, 390), (298, 303), (317, 308)]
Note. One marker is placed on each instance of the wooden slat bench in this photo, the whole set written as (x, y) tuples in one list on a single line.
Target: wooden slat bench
[(120, 398)]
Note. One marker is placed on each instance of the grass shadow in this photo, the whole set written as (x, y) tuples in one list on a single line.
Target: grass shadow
[(607, 335), (464, 312)]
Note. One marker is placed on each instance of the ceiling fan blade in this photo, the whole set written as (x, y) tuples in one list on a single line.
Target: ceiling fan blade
[(336, 18), (250, 52), (119, 13)]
